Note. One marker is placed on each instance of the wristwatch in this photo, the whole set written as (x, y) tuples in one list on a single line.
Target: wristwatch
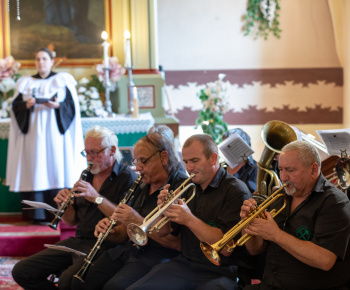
[(98, 200)]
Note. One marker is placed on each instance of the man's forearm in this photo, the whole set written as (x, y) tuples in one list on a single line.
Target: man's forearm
[(306, 251)]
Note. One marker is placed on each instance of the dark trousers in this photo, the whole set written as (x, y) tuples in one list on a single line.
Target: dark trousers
[(180, 273), (263, 286), (32, 272), (39, 215), (102, 270)]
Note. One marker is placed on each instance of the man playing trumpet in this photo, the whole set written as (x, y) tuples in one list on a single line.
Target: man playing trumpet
[(121, 266), (213, 210), (92, 202), (308, 244)]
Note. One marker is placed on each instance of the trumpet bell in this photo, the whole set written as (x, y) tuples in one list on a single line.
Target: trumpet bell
[(211, 253), (137, 234)]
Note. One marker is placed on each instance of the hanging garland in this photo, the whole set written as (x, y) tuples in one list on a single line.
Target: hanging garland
[(262, 18)]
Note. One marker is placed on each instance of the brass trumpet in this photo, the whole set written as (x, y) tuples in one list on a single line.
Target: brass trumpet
[(138, 234), (212, 251)]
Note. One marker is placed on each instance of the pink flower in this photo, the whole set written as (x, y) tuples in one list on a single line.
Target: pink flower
[(8, 67), (115, 70)]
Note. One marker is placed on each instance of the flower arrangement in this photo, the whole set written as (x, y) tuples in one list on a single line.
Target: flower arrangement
[(116, 71), (90, 91), (8, 78), (215, 104), (261, 18)]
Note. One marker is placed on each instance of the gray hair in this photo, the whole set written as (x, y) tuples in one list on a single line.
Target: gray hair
[(307, 153), (164, 130), (160, 143), (109, 139)]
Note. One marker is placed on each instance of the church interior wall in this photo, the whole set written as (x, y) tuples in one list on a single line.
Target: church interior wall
[(296, 78)]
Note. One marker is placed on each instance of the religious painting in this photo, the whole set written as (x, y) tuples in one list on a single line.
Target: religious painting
[(146, 96), (72, 28)]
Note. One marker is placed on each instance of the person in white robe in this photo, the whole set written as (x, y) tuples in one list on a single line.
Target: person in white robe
[(45, 136)]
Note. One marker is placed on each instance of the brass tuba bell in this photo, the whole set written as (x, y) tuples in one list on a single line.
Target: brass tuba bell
[(275, 135)]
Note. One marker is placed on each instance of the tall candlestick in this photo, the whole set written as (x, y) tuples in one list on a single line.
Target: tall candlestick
[(105, 45), (127, 49)]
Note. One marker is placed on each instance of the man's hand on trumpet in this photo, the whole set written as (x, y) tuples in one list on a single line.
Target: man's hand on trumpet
[(179, 212), (266, 229)]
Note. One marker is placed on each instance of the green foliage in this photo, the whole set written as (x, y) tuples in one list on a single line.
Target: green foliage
[(210, 118), (95, 82), (259, 24)]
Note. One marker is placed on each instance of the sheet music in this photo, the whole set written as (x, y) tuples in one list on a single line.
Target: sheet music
[(64, 249), (235, 150), (336, 140), (37, 204)]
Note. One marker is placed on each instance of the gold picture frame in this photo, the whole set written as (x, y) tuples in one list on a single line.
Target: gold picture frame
[(77, 42)]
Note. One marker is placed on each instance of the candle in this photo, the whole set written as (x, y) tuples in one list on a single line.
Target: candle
[(135, 102), (105, 45), (127, 49)]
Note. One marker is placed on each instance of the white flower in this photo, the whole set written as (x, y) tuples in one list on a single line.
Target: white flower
[(101, 113), (83, 82), (94, 95), (7, 84), (3, 113), (221, 76), (81, 90), (83, 107)]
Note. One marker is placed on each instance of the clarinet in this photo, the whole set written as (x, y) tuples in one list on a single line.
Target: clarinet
[(86, 175), (102, 237)]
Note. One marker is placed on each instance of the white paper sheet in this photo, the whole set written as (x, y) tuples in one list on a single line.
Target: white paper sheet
[(64, 249), (336, 140), (37, 204), (235, 150)]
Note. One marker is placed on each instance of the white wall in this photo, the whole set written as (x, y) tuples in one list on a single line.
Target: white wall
[(207, 34)]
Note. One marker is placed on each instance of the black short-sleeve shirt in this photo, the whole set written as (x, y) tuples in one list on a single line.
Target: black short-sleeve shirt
[(153, 253), (324, 219), (114, 189), (218, 205)]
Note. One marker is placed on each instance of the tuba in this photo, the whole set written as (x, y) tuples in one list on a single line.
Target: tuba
[(343, 170), (275, 135), (138, 234), (212, 251), (85, 175)]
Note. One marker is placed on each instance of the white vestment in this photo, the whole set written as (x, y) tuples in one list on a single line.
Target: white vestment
[(43, 158)]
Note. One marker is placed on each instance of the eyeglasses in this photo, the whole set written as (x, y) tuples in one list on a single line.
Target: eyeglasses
[(144, 162), (92, 153)]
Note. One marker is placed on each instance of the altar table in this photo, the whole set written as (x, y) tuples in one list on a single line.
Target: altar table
[(128, 130)]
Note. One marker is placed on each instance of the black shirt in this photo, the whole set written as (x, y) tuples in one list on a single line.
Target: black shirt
[(323, 218), (114, 188), (153, 253), (218, 205), (248, 174)]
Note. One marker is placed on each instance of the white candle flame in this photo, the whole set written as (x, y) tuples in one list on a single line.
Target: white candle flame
[(127, 34), (104, 35)]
